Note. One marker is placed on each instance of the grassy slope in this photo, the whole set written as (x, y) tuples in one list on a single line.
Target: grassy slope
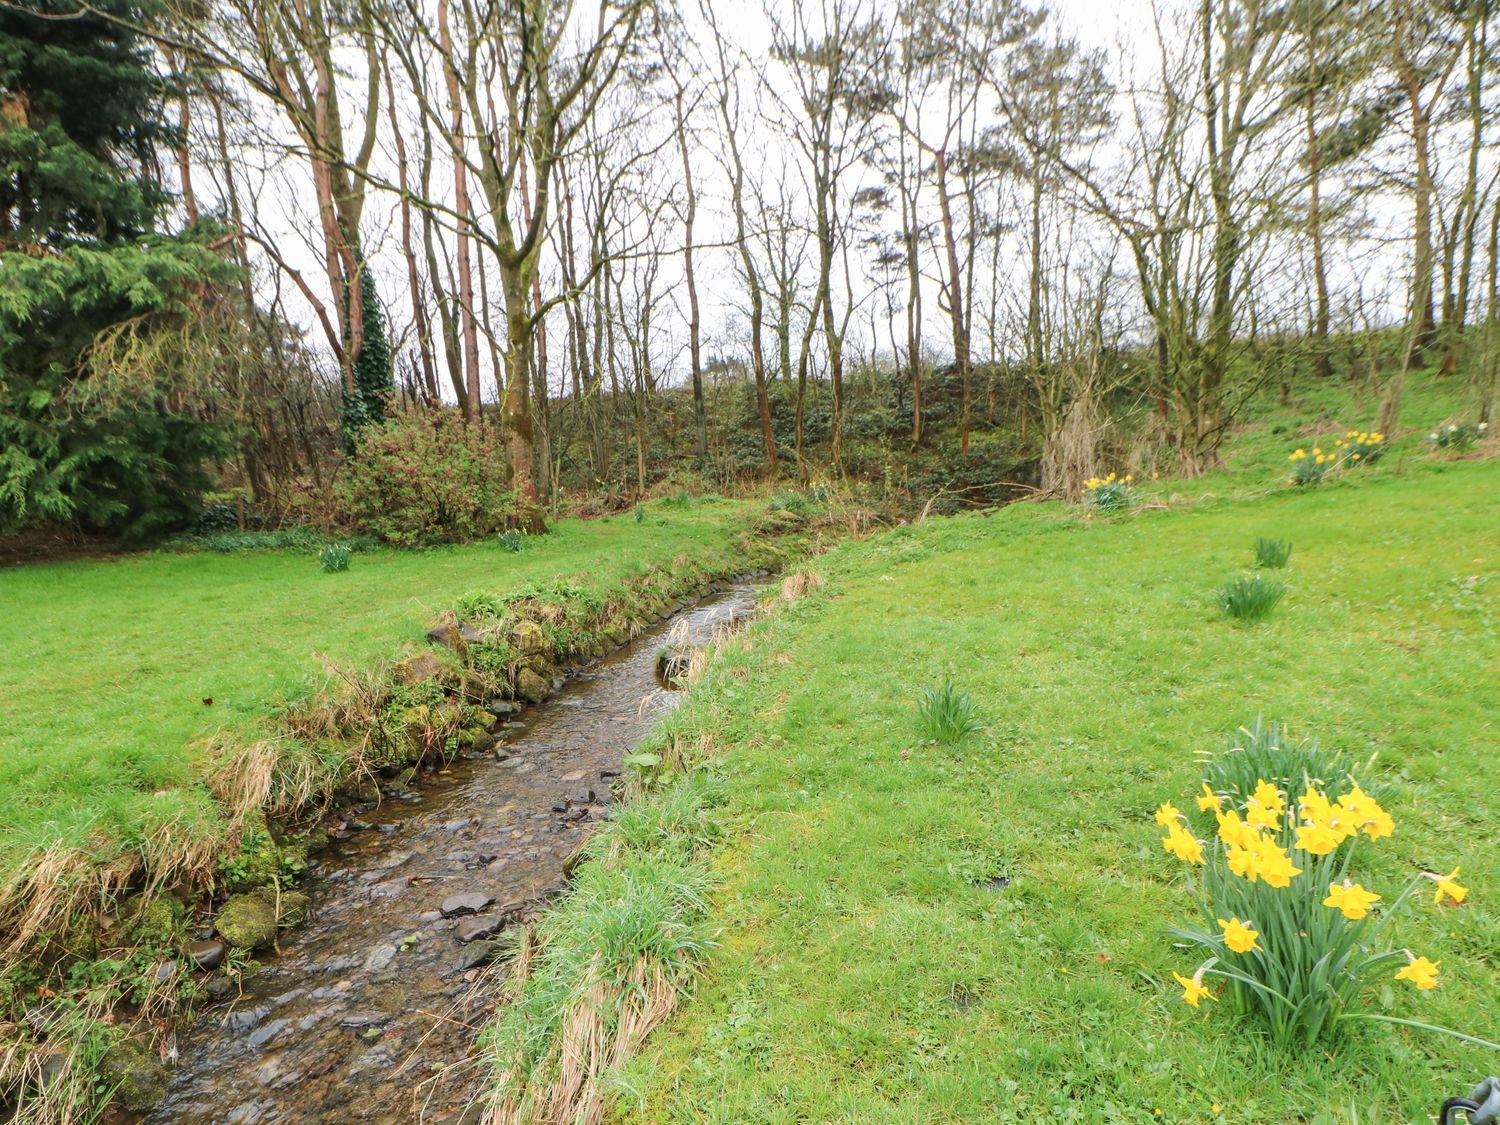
[(866, 971), (106, 664)]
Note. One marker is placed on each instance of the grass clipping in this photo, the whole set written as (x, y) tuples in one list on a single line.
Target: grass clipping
[(601, 971)]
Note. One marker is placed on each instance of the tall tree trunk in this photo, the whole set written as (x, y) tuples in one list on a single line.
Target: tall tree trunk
[(700, 417), (956, 300), (1322, 361), (461, 220), (408, 252)]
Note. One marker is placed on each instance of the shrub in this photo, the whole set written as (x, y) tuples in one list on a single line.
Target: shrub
[(1272, 554), (1280, 916), (1250, 597), (333, 557), (1454, 438), (426, 477), (946, 713), (1109, 494)]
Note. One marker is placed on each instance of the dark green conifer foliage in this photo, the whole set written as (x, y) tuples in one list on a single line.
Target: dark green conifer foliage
[(81, 119)]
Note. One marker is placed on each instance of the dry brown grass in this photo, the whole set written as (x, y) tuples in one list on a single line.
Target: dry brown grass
[(588, 1048), (799, 584)]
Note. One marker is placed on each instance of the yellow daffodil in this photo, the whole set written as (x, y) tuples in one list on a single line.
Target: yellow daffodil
[(1241, 861), (1313, 805), (1269, 796), (1179, 842), (1447, 885), (1167, 815), (1239, 936), (1354, 456), (1234, 831), (1350, 899), (1421, 972), (1208, 800), (1317, 838), (1273, 865), (1192, 988), (1366, 814), (1262, 816)]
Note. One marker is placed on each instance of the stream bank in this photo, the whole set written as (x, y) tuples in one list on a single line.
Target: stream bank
[(367, 1006)]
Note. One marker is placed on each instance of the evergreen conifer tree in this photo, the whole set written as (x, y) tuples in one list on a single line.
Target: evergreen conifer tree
[(81, 120)]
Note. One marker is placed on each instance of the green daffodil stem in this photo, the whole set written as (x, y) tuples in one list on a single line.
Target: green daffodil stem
[(1425, 1027)]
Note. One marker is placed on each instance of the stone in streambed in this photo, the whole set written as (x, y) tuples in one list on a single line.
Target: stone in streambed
[(480, 953), (136, 1073), (471, 903), (207, 955), (249, 921), (475, 928), (532, 687)]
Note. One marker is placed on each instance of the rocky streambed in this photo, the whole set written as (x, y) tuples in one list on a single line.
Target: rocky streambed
[(370, 1008)]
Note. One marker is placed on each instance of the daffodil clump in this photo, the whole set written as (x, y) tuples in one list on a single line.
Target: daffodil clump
[(1109, 494), (1454, 438), (1355, 448), (1284, 921)]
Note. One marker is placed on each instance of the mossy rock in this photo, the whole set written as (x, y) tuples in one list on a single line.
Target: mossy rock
[(153, 922), (532, 687), (528, 638), (135, 1073), (250, 921), (474, 735)]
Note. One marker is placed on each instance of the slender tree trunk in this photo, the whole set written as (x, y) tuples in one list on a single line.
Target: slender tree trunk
[(1322, 362), (956, 300), (700, 417), (461, 218), (408, 252)]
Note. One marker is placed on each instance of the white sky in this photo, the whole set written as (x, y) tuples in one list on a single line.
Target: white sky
[(1123, 27)]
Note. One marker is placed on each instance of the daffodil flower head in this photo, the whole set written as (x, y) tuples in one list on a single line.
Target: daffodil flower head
[(1240, 937), (1273, 865), (1208, 800), (1350, 899), (1192, 988), (1421, 972), (1449, 887)]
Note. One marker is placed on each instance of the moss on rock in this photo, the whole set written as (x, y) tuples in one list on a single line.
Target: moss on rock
[(250, 921), (137, 1076)]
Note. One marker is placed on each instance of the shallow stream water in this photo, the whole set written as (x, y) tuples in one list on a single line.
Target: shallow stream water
[(367, 1006)]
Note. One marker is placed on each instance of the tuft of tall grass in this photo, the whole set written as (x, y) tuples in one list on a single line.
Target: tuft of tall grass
[(1272, 554), (333, 557), (947, 714), (1250, 597)]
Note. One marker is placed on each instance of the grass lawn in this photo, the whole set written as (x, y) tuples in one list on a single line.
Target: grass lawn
[(107, 666), (872, 968)]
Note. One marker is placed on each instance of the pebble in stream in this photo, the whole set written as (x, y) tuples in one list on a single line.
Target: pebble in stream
[(373, 996)]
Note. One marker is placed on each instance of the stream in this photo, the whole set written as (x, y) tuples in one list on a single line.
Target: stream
[(363, 1010)]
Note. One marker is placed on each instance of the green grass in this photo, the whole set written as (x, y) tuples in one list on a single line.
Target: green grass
[(875, 965), (108, 666)]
